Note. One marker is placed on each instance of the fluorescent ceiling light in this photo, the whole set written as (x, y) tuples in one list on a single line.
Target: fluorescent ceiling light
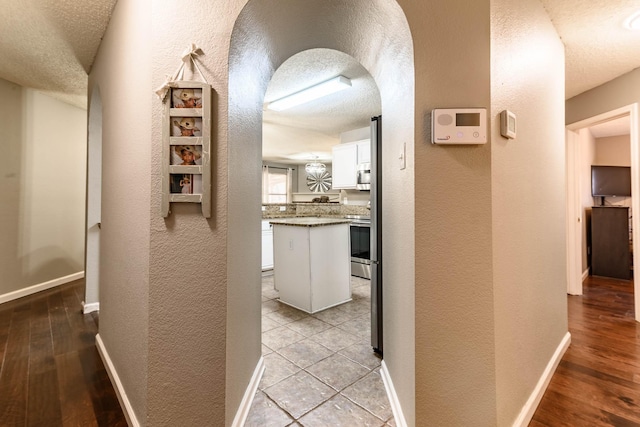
[(328, 87), (320, 156), (633, 22)]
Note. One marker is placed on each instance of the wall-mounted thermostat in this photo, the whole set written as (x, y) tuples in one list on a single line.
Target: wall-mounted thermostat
[(459, 126), (507, 124)]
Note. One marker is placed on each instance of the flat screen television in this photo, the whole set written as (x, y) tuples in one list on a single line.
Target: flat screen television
[(610, 181)]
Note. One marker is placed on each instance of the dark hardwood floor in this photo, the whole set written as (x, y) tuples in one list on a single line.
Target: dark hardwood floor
[(597, 383), (50, 371)]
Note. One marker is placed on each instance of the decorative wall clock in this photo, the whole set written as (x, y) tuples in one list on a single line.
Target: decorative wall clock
[(319, 182)]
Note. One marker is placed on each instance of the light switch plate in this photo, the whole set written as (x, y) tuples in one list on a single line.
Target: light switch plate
[(508, 124)]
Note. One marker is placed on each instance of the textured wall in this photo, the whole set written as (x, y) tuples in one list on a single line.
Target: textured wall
[(42, 174), (189, 287), (528, 200), (620, 92), (455, 374), (613, 151), (122, 72)]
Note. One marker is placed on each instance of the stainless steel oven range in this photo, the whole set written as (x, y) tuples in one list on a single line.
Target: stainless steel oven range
[(360, 231)]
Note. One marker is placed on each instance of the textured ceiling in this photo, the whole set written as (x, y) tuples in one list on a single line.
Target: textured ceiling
[(597, 46), (50, 46), (323, 120), (348, 109)]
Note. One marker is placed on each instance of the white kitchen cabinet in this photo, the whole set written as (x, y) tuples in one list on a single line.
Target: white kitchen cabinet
[(364, 151), (312, 262), (346, 158), (267, 245), (345, 161)]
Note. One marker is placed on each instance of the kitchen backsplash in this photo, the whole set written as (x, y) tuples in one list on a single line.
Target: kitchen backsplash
[(273, 210)]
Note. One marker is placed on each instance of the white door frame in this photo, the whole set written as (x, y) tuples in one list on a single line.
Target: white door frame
[(576, 241), (575, 217), (93, 205)]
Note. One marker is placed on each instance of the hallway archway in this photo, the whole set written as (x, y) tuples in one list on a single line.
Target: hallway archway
[(266, 33)]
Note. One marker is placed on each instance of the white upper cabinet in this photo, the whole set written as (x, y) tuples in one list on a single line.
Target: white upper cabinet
[(364, 151), (345, 161), (346, 158)]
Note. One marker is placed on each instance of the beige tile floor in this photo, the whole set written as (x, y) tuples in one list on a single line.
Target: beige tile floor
[(320, 369)]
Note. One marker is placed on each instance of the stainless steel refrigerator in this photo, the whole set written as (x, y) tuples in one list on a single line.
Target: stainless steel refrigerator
[(376, 235)]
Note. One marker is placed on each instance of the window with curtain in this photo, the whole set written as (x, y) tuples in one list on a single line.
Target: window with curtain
[(276, 184)]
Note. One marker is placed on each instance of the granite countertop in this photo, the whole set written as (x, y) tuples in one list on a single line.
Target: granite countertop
[(308, 221), (326, 210)]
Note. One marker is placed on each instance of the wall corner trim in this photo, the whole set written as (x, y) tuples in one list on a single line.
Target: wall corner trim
[(40, 287), (529, 408), (398, 415), (247, 399), (117, 384)]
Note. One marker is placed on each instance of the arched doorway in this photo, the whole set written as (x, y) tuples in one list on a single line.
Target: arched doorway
[(310, 351), (265, 34)]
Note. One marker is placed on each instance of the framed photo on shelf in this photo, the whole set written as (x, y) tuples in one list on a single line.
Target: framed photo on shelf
[(186, 98), (186, 184), (186, 126), (186, 155)]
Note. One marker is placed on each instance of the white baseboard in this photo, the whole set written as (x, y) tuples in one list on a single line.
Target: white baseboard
[(526, 414), (398, 415), (40, 287), (247, 399), (129, 414), (89, 308), (585, 274)]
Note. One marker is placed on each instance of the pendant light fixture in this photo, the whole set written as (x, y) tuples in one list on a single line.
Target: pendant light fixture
[(314, 167)]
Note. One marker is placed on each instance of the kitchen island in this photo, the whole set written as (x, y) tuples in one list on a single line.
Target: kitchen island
[(312, 262)]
